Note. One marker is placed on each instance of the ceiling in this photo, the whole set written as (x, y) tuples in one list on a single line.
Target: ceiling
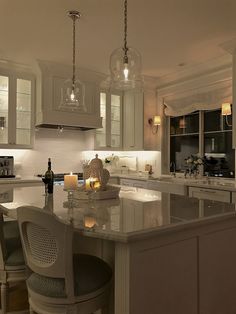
[(171, 35)]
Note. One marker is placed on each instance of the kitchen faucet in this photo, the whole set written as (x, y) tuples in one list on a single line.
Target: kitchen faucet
[(173, 168)]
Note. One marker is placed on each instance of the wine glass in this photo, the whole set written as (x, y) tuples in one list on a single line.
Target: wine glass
[(45, 181), (94, 185)]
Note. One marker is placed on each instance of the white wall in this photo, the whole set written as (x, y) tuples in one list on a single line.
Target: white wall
[(63, 148)]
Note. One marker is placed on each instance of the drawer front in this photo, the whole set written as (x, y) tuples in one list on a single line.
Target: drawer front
[(210, 194), (140, 184), (126, 182), (114, 180), (134, 183)]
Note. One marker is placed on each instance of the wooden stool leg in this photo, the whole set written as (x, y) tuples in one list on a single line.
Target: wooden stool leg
[(31, 310), (4, 298)]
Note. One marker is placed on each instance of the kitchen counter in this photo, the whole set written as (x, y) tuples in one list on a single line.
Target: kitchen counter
[(168, 182), (137, 213), (21, 180), (171, 253)]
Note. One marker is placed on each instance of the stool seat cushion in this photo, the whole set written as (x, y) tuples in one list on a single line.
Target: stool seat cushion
[(90, 274)]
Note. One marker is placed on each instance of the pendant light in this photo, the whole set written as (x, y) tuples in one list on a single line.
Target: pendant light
[(126, 64), (73, 90)]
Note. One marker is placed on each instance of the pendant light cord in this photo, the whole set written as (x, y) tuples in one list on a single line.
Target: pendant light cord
[(125, 32), (73, 54), (74, 15)]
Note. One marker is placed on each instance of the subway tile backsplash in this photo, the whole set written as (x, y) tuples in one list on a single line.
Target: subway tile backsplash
[(69, 150)]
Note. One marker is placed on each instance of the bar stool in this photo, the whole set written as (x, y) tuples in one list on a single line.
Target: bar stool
[(61, 282), (12, 264)]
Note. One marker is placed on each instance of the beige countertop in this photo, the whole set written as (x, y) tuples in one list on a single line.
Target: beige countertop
[(203, 182), (21, 180), (136, 214)]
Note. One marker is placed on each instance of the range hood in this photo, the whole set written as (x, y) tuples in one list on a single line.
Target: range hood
[(50, 79)]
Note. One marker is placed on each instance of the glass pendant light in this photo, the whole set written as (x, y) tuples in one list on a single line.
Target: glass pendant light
[(126, 64), (73, 90)]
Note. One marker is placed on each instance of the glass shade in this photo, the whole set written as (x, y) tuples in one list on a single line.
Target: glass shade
[(126, 76), (72, 99), (156, 120), (226, 109), (182, 123)]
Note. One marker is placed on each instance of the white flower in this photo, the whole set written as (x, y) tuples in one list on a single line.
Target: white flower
[(199, 161)]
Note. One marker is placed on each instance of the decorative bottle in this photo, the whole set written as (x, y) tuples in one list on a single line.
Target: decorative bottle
[(49, 176)]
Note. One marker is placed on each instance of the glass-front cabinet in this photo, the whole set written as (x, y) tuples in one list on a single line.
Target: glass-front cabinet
[(110, 136), (16, 109), (206, 134)]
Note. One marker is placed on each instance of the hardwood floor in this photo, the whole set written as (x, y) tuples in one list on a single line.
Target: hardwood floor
[(18, 298)]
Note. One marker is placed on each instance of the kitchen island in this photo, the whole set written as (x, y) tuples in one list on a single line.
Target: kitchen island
[(170, 255)]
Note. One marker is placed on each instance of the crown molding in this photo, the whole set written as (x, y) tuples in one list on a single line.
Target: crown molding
[(220, 64)]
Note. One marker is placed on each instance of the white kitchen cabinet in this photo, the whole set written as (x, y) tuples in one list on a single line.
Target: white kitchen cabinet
[(17, 94), (49, 113), (133, 182), (110, 135), (133, 121), (210, 194), (217, 271)]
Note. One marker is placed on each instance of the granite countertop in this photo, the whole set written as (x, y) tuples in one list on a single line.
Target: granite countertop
[(20, 180), (210, 183), (136, 214)]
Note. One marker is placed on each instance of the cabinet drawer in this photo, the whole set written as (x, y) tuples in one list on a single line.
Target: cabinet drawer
[(134, 183), (114, 180), (126, 182), (210, 194), (140, 184)]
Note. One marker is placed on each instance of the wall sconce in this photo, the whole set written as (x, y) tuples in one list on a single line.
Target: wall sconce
[(182, 123), (2, 123), (154, 122), (226, 111)]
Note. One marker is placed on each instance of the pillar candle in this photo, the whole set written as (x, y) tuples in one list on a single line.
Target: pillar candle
[(70, 181)]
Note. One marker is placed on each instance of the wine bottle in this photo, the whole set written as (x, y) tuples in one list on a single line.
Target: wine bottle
[(49, 176)]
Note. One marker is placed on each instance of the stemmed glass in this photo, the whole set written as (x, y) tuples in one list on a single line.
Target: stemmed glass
[(95, 186), (45, 181)]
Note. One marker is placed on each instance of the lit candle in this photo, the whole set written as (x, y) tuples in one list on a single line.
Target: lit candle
[(89, 222), (70, 181)]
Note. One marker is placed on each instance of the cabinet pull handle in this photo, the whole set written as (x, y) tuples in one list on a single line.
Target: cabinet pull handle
[(206, 191)]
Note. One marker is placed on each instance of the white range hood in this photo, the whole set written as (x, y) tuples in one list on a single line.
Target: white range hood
[(50, 79)]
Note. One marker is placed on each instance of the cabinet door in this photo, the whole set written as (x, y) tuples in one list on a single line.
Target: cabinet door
[(133, 121), (217, 272), (116, 109), (16, 109), (163, 278), (210, 194), (101, 134), (24, 95), (110, 135), (4, 108)]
